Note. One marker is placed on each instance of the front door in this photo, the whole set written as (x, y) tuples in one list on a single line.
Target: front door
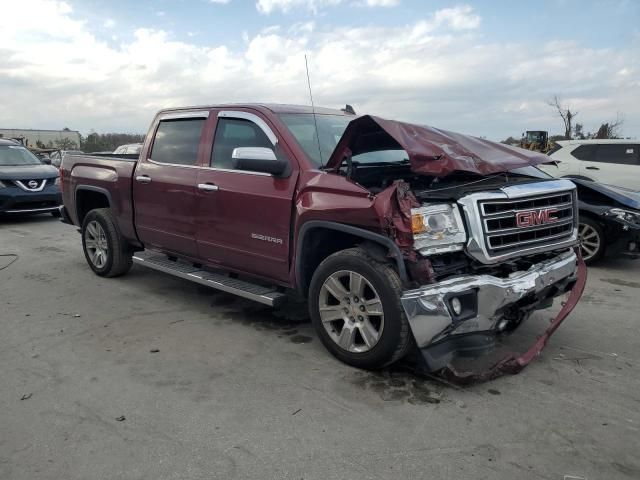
[(164, 185), (244, 218)]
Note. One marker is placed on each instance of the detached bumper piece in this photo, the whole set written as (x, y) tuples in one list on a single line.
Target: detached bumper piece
[(464, 315)]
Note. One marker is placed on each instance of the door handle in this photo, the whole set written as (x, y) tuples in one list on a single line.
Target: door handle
[(143, 179), (208, 187), (592, 168)]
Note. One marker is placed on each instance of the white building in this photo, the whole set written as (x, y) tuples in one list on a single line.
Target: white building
[(47, 138)]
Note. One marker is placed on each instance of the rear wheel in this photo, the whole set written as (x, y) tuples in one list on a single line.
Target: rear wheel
[(355, 308), (592, 240), (106, 251)]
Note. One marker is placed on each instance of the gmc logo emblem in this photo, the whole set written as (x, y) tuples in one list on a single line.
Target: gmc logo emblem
[(536, 217)]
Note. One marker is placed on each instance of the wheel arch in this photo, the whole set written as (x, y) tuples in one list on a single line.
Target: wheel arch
[(89, 197), (314, 232)]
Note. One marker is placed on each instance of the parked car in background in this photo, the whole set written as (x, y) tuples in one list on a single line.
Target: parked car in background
[(612, 162), (27, 186), (58, 155), (397, 239), (129, 149), (609, 221)]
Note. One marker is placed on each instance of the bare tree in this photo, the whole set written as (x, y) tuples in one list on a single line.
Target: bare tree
[(565, 113), (611, 129)]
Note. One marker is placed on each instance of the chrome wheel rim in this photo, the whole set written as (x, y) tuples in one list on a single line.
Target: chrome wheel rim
[(95, 241), (351, 311), (589, 241)]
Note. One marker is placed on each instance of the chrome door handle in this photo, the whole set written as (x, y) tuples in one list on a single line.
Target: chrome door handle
[(592, 168), (143, 179), (208, 187)]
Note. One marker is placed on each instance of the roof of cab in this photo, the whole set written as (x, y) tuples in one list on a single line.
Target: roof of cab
[(6, 141), (273, 107)]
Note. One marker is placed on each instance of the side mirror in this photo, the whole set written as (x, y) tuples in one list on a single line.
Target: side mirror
[(45, 160), (258, 159)]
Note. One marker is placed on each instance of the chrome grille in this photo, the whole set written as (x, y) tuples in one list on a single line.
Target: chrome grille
[(501, 231)]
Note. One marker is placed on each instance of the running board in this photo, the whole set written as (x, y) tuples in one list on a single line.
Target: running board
[(258, 293)]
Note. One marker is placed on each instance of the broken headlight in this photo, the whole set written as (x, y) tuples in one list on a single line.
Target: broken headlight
[(625, 216), (437, 229)]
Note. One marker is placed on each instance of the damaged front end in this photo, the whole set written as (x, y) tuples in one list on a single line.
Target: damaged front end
[(464, 315), (485, 248)]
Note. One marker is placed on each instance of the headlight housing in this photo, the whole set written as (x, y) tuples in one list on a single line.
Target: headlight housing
[(3, 185), (57, 181), (628, 217), (438, 228)]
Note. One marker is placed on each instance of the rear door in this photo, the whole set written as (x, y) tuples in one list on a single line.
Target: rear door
[(614, 164), (244, 218), (164, 191)]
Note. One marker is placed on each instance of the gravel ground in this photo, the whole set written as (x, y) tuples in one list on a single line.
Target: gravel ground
[(150, 377)]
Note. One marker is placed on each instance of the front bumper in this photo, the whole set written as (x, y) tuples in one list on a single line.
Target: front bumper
[(441, 334), (626, 243), (13, 200)]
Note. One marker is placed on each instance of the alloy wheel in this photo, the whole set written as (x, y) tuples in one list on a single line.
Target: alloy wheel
[(351, 311), (589, 241), (95, 241)]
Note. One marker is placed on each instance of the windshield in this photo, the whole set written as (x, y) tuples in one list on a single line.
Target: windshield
[(303, 128), (12, 155)]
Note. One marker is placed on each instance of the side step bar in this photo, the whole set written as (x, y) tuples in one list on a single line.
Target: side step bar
[(258, 293)]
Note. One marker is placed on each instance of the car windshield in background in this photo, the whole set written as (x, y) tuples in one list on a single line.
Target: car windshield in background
[(12, 155), (303, 128)]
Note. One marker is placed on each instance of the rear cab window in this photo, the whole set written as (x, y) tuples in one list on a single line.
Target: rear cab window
[(177, 140)]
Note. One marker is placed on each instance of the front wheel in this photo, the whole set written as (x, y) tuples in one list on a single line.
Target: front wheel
[(106, 251), (355, 308), (592, 242)]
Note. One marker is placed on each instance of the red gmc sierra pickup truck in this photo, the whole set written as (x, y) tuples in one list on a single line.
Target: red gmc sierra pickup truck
[(399, 235)]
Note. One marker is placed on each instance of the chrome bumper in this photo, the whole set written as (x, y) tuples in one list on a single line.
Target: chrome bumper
[(433, 319)]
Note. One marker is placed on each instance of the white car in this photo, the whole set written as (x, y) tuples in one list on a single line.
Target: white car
[(612, 162), (129, 149)]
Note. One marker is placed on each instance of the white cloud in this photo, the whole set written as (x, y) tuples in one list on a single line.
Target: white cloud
[(109, 23), (268, 6), (381, 3), (458, 18), (221, 2), (435, 71)]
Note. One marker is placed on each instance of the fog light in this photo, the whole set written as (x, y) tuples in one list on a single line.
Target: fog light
[(632, 246), (456, 305)]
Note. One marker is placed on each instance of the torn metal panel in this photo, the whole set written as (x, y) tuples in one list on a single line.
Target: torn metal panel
[(393, 206), (431, 151), (514, 363)]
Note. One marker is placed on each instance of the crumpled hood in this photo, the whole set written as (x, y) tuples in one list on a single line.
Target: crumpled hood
[(431, 151)]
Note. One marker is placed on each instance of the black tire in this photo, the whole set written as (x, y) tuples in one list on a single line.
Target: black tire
[(395, 337), (56, 214), (118, 253), (595, 234)]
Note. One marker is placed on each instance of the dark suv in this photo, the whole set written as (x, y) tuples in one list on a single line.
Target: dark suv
[(26, 185)]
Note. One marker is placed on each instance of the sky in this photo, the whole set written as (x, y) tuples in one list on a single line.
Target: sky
[(486, 68)]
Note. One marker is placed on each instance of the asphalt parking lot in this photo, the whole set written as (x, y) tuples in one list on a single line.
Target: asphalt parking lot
[(150, 377)]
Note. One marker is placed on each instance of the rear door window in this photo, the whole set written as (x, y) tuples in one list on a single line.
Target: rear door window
[(623, 154), (176, 141)]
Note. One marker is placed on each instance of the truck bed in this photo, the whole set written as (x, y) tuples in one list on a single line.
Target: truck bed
[(87, 179)]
